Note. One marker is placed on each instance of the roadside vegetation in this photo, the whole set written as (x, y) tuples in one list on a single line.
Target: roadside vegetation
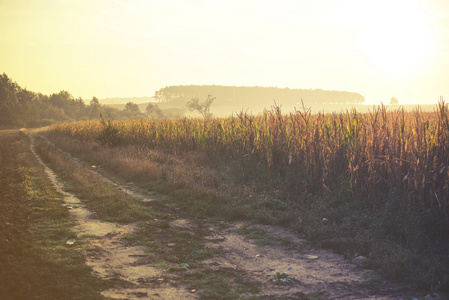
[(35, 261), (372, 184), (179, 252), (109, 203)]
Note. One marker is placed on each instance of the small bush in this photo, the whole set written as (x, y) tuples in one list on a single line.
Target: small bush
[(109, 136)]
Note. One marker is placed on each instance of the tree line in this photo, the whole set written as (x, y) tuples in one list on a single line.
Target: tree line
[(20, 107), (249, 96)]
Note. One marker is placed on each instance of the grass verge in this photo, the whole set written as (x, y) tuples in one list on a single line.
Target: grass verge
[(35, 262), (107, 201)]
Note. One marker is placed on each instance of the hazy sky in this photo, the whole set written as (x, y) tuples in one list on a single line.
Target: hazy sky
[(106, 48)]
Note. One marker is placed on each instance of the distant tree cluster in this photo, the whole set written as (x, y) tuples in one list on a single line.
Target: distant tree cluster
[(130, 106), (154, 112), (22, 108), (394, 101), (248, 96)]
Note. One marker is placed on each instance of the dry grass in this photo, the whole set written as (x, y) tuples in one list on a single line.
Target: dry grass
[(107, 201), (188, 178)]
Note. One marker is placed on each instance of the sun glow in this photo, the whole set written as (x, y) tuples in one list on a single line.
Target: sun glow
[(397, 40), (120, 48)]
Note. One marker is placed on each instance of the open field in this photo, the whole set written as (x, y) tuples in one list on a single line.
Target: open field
[(126, 244), (375, 153), (371, 184), (219, 209), (168, 254)]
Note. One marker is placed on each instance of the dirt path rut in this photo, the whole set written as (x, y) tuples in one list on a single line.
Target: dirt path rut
[(111, 257), (310, 271)]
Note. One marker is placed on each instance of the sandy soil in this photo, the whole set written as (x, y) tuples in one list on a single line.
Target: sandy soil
[(111, 257), (310, 270)]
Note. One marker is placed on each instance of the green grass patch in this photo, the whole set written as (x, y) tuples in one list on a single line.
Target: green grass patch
[(181, 252), (174, 246), (262, 237)]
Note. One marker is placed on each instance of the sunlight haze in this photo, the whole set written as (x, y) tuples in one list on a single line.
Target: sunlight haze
[(380, 49)]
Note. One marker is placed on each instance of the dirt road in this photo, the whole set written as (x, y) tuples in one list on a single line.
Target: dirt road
[(286, 268)]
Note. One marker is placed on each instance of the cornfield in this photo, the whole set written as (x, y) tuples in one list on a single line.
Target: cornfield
[(376, 152)]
